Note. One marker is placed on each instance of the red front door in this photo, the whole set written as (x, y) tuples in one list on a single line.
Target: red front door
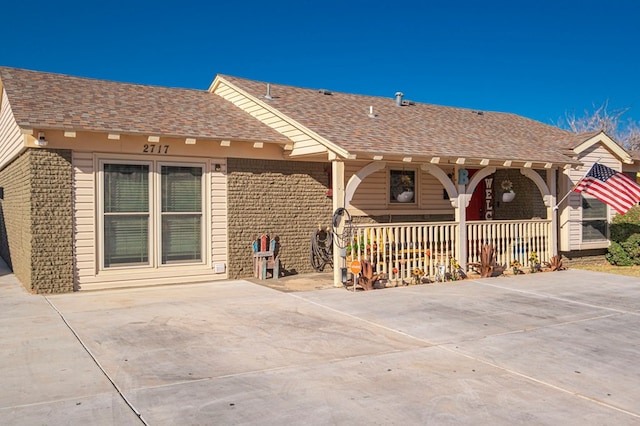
[(477, 205)]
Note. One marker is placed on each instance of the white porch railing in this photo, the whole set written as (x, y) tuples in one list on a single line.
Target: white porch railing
[(512, 240), (397, 249)]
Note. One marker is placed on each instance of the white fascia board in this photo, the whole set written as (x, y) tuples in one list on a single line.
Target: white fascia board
[(608, 143), (326, 143)]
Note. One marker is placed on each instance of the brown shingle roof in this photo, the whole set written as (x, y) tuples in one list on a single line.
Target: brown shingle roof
[(418, 130), (56, 101)]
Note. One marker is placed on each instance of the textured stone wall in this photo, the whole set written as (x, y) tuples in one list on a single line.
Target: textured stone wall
[(51, 221), (36, 228), (528, 202), (15, 218), (280, 197)]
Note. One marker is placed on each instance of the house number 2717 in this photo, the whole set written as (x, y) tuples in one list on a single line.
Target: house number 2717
[(152, 148)]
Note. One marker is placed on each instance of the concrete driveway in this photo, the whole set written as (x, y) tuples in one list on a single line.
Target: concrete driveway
[(544, 349)]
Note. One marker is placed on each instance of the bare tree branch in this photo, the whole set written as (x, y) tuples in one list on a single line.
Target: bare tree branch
[(626, 133)]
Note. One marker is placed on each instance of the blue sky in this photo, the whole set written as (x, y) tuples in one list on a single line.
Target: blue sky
[(539, 59)]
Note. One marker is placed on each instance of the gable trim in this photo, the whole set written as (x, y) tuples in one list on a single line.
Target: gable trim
[(608, 143), (299, 147)]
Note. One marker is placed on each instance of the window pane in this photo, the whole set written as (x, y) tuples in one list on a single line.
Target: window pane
[(592, 208), (126, 188), (594, 230), (181, 238), (126, 240), (126, 230), (181, 189)]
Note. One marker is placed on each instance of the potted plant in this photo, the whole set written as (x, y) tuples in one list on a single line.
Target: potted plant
[(508, 195), (407, 189), (515, 266)]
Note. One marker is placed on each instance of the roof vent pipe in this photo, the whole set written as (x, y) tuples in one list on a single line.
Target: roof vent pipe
[(268, 95), (399, 96)]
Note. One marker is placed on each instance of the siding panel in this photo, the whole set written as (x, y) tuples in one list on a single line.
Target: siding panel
[(595, 154), (11, 138), (373, 192), (84, 216), (88, 277)]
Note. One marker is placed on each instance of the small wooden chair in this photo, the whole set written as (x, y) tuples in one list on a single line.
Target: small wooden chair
[(266, 256)]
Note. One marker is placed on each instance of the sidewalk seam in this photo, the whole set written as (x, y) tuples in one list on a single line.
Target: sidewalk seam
[(95, 360)]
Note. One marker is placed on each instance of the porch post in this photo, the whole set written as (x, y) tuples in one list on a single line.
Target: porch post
[(461, 218), (337, 170), (552, 213)]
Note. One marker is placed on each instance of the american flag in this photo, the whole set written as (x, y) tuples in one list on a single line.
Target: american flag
[(613, 188)]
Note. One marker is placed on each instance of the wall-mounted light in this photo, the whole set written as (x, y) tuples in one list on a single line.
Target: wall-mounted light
[(41, 141), (217, 167)]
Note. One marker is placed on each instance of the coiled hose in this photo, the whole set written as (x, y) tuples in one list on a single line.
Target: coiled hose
[(321, 253)]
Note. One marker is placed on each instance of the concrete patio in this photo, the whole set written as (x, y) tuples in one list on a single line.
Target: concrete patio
[(545, 349)]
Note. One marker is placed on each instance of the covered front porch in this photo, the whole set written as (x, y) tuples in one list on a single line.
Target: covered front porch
[(437, 250), (442, 249)]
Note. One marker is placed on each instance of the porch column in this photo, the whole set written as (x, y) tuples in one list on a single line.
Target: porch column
[(337, 170), (552, 212), (461, 218)]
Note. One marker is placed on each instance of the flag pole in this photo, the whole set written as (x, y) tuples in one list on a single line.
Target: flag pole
[(576, 185)]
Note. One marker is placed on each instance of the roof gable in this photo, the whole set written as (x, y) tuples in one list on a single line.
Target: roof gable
[(600, 137), (304, 140)]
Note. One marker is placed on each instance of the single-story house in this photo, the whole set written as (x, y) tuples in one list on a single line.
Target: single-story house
[(106, 184)]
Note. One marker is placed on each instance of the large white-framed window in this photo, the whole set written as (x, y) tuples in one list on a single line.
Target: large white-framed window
[(595, 223), (152, 213)]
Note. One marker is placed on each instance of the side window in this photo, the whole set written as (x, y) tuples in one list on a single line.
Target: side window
[(594, 219)]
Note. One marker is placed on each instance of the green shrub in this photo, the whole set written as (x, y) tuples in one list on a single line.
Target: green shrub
[(625, 239), (616, 255)]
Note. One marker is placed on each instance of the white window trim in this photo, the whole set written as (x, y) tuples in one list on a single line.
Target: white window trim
[(593, 244), (155, 254), (204, 254)]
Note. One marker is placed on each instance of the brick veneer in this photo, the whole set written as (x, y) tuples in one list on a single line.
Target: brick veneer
[(36, 237), (281, 197)]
